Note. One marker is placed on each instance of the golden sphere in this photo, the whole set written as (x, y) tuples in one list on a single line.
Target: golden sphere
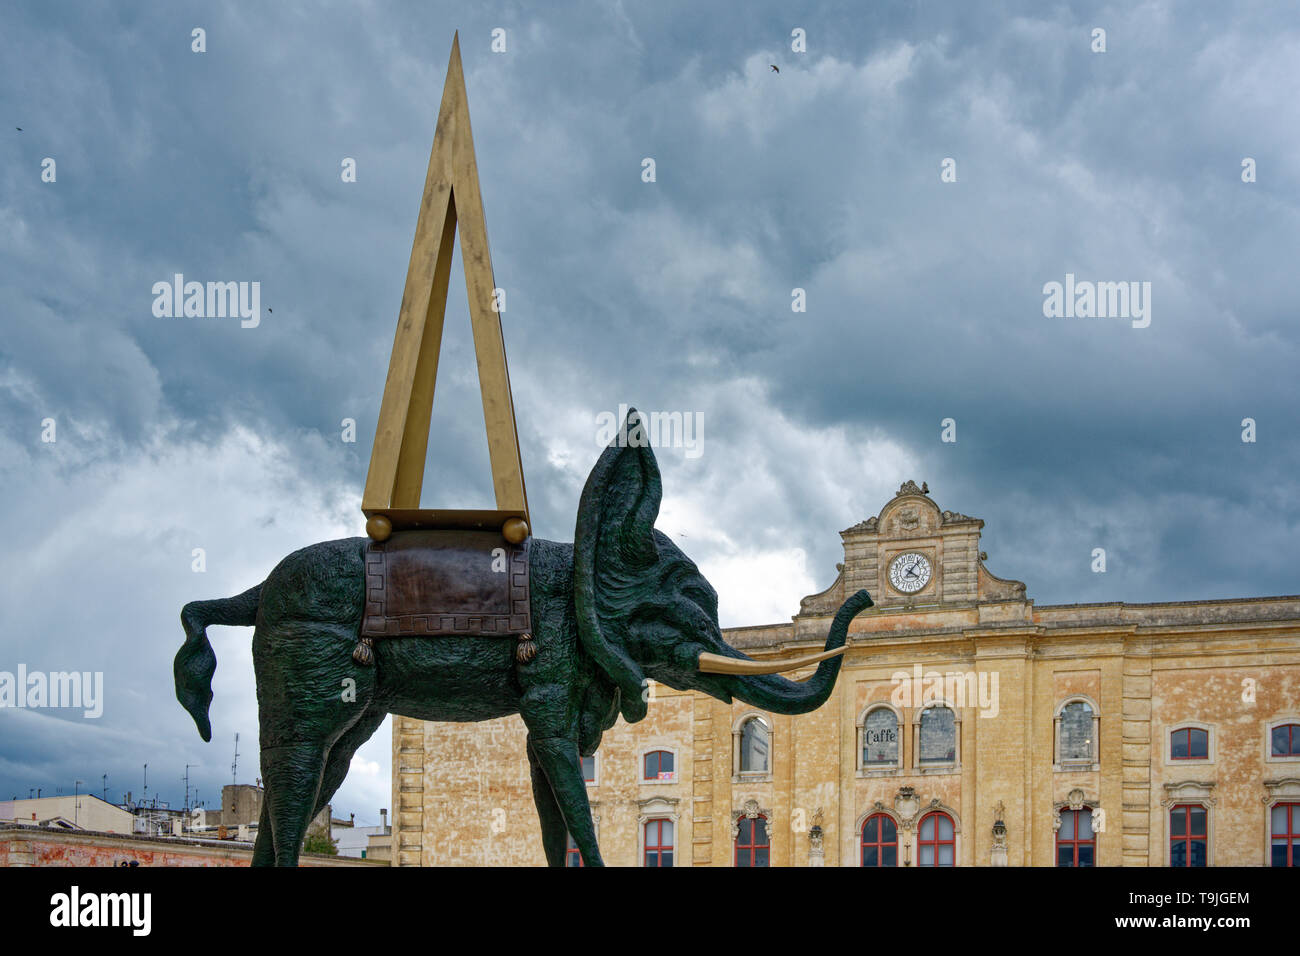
[(379, 528), (515, 530)]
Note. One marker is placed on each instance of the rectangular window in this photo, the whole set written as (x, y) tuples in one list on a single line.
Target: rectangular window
[(1285, 827), (1188, 835), (659, 843)]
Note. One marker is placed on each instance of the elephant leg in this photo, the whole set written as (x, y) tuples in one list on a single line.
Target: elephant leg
[(309, 696), (558, 757), (264, 845), (340, 755), (555, 835), (292, 774)]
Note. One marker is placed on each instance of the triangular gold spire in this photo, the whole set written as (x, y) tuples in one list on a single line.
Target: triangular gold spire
[(451, 204)]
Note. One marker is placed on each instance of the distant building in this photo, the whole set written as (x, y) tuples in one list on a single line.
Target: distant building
[(241, 805), (36, 846), (969, 726), (84, 811), (355, 841)]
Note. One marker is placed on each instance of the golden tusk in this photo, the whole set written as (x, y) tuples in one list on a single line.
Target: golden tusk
[(717, 664)]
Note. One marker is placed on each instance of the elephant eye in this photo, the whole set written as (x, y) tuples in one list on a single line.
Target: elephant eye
[(703, 597)]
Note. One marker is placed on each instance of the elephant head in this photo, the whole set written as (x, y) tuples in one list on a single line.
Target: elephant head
[(645, 612)]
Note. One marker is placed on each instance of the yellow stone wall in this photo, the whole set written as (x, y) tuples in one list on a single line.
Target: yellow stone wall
[(1232, 667)]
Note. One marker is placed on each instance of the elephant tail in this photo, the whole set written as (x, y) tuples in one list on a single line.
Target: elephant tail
[(196, 662)]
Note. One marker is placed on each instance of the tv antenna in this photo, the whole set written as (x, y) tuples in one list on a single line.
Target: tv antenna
[(234, 766)]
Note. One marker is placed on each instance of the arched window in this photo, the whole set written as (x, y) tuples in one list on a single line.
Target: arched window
[(658, 765), (936, 843), (1189, 743), (879, 840), (658, 843), (1285, 740), (1076, 732), (938, 735), (1285, 833), (755, 746), (1077, 726), (1076, 844), (880, 738), (572, 857), (1188, 835), (752, 846)]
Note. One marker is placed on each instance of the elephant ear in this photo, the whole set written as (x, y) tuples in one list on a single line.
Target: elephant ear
[(613, 554)]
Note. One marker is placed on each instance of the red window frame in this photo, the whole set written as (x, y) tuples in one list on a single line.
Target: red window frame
[(1291, 836), (751, 849), (572, 855), (582, 766), (879, 844), (1075, 842), (1187, 837), (1189, 731), (1292, 740), (658, 847), (659, 770), (938, 841)]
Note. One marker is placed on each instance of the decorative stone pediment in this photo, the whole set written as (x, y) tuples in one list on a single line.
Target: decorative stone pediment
[(949, 541), (1286, 788), (656, 807), (1189, 791)]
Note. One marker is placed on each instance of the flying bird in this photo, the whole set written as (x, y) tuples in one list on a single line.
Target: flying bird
[(775, 68), (19, 128)]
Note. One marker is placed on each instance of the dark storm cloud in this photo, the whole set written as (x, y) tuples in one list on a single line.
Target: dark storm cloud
[(924, 299)]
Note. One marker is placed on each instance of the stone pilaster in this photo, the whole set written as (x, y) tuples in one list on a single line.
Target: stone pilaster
[(1136, 746), (408, 787)]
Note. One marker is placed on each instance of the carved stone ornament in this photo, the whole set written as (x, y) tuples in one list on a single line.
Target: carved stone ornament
[(907, 805), (999, 826), (909, 488), (868, 525), (753, 811), (998, 852), (1076, 800), (952, 517), (816, 839)]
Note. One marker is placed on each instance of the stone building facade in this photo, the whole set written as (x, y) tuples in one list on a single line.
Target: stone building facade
[(968, 726)]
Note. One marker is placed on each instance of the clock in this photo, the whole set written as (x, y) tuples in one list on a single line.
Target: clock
[(909, 572)]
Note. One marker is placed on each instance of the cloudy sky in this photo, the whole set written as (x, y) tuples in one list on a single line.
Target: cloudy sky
[(924, 302)]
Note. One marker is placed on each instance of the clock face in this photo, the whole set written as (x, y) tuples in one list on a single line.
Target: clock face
[(909, 572)]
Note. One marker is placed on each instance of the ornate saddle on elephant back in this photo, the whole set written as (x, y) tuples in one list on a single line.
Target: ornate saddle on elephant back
[(452, 582)]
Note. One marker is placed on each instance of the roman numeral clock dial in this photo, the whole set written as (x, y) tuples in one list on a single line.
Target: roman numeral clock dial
[(909, 572)]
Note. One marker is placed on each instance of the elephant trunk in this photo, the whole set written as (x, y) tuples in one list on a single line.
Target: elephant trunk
[(780, 695)]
